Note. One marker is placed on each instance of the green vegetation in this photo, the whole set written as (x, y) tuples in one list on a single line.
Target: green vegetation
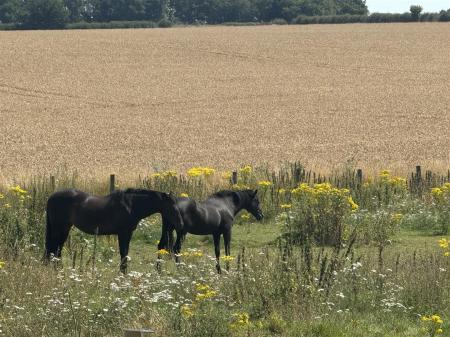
[(81, 14), (342, 255)]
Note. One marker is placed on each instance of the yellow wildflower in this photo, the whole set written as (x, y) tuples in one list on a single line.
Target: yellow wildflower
[(425, 318), (447, 254), (163, 252), (184, 195), (199, 171), (385, 173), (205, 295), (353, 205), (264, 183), (18, 190), (436, 192), (246, 169), (439, 330), (443, 243), (2, 264), (286, 206), (436, 319), (245, 217), (227, 258), (281, 191), (155, 175), (187, 310), (7, 205), (397, 216), (202, 287), (2, 196)]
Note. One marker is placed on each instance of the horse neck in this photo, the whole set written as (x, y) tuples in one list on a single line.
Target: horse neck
[(239, 206), (154, 204)]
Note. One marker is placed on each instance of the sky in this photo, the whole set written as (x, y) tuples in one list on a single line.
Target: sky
[(400, 6)]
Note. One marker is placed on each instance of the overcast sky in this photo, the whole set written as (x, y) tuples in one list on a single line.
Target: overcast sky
[(400, 6)]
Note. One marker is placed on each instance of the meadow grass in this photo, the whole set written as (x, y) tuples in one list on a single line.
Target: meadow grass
[(385, 274)]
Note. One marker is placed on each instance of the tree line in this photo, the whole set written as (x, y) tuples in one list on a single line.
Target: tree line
[(144, 13), (56, 13)]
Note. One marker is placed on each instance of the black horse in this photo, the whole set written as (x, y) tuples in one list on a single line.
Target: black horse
[(118, 213), (213, 216)]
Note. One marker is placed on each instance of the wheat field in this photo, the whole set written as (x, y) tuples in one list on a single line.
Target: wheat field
[(132, 101)]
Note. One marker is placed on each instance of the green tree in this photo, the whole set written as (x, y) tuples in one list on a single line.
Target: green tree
[(128, 10), (45, 14), (11, 11), (76, 9), (415, 12), (352, 7)]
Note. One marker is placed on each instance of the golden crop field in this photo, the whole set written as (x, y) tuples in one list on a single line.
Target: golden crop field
[(130, 101)]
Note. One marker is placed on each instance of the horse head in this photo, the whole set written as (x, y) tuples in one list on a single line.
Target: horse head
[(170, 210), (253, 205)]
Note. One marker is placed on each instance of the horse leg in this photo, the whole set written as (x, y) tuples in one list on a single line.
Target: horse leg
[(216, 238), (227, 241), (177, 247), (62, 237), (124, 245)]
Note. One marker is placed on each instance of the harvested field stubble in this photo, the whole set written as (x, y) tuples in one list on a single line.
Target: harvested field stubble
[(123, 101)]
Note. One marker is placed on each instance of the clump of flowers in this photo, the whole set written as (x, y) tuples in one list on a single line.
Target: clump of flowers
[(441, 195), (18, 190), (241, 320), (264, 183), (444, 244), (204, 292), (432, 324), (227, 258), (163, 252), (392, 181), (281, 191), (324, 208), (200, 171), (184, 195), (245, 216), (246, 170), (320, 193)]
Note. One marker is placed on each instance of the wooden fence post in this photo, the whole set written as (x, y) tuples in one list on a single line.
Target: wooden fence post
[(418, 180), (52, 183), (112, 183), (234, 178), (359, 177)]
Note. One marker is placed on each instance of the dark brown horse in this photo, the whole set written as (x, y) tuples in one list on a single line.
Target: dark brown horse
[(213, 216), (118, 213)]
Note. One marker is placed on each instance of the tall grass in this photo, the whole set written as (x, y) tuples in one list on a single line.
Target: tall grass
[(334, 270)]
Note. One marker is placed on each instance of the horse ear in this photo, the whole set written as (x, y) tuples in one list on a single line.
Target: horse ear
[(125, 201)]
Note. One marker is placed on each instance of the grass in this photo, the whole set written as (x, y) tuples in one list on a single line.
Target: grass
[(132, 101), (379, 285)]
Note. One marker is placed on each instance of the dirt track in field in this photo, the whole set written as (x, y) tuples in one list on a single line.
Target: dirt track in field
[(129, 101)]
